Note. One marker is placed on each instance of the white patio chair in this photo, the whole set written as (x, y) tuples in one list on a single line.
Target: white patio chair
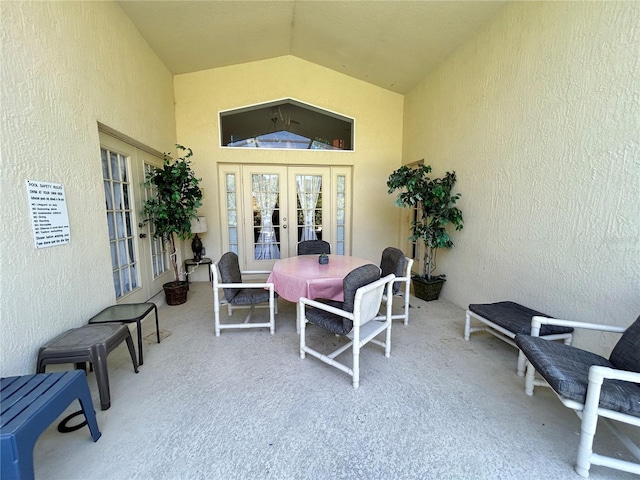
[(240, 294), (594, 387), (394, 262), (354, 318)]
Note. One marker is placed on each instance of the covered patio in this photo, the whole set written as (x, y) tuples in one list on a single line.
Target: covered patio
[(244, 405)]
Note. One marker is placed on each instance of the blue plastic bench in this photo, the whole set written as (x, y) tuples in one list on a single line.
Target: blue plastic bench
[(28, 405)]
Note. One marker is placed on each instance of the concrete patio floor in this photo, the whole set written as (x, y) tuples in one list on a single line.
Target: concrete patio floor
[(245, 406)]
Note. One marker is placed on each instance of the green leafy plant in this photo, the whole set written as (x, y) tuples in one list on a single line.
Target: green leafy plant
[(436, 208), (174, 201)]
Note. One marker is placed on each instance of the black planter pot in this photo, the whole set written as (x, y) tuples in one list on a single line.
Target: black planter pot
[(427, 290), (176, 292)]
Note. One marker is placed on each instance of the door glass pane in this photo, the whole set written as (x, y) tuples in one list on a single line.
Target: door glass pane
[(158, 247), (340, 213), (265, 189), (119, 218), (309, 207), (232, 212)]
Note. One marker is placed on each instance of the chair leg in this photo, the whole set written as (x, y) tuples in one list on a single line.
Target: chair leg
[(302, 329), (216, 311), (588, 426), (467, 327), (387, 343), (530, 378), (406, 308), (356, 365), (272, 320), (585, 448), (522, 363)]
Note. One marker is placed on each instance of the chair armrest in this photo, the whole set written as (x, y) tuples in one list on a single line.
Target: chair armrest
[(598, 373), (245, 285), (536, 322), (323, 306), (255, 272)]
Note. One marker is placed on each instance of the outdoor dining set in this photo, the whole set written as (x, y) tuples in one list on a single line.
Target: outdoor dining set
[(352, 297)]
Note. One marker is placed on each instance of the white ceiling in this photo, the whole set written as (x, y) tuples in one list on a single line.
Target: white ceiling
[(392, 44)]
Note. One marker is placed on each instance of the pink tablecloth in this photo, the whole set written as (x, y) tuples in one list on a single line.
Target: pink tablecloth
[(303, 276)]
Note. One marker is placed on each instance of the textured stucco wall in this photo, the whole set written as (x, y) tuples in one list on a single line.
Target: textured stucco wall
[(540, 118), (378, 143), (65, 66)]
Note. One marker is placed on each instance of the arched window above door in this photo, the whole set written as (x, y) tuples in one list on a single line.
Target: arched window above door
[(286, 124)]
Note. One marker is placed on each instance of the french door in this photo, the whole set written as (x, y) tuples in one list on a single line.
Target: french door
[(270, 208), (140, 263)]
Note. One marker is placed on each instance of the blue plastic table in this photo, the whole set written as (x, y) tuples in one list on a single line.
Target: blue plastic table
[(29, 404)]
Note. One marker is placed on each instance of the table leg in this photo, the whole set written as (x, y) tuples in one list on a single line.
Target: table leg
[(140, 361), (99, 359), (157, 325)]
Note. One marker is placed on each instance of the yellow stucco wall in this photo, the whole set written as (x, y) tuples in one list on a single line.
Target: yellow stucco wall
[(540, 118), (539, 115), (66, 66), (378, 136)]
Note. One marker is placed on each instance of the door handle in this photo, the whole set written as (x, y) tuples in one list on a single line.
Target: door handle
[(143, 235)]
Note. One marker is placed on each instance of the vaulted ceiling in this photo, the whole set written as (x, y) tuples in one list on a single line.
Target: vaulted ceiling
[(389, 43)]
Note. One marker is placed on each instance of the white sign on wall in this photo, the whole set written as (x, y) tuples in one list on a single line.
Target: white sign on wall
[(49, 216)]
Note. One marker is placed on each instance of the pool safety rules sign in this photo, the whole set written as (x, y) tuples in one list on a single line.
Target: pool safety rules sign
[(49, 216)]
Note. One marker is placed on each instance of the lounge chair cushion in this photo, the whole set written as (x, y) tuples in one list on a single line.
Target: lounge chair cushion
[(515, 317), (566, 369), (626, 353)]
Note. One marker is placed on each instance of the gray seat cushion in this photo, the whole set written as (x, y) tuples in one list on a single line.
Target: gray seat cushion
[(355, 279), (250, 296), (566, 369), (311, 247), (515, 317), (393, 261), (230, 273)]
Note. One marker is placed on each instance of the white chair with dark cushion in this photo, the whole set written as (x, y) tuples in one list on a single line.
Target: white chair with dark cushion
[(240, 294), (394, 262), (594, 387), (354, 318)]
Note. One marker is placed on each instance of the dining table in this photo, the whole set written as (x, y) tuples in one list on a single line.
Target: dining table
[(303, 276)]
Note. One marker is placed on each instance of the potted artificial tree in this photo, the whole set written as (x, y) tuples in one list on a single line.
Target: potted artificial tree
[(436, 210), (175, 202)]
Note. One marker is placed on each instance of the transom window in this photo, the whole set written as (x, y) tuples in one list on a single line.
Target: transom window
[(286, 124)]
